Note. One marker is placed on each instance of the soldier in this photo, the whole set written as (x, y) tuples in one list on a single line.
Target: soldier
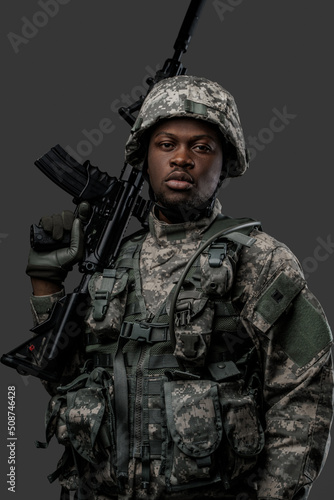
[(205, 369)]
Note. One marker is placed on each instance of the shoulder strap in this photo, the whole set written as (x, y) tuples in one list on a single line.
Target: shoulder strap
[(222, 222), (227, 227), (240, 236)]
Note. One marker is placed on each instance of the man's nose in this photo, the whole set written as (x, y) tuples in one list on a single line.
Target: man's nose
[(182, 158)]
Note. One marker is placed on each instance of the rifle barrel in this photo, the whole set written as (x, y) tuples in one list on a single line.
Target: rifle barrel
[(187, 28)]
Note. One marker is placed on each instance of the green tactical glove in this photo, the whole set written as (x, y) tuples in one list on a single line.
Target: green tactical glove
[(54, 265)]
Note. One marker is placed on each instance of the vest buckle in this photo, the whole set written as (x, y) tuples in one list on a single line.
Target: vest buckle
[(183, 314), (217, 254)]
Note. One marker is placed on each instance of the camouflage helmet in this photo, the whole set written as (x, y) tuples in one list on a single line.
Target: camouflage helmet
[(193, 97)]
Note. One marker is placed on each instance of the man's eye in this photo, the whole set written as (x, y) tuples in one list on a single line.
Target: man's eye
[(202, 147), (166, 145)]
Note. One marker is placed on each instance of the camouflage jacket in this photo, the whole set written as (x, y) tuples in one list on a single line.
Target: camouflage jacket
[(291, 335)]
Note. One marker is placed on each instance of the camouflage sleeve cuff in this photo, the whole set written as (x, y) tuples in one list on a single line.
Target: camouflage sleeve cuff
[(41, 305)]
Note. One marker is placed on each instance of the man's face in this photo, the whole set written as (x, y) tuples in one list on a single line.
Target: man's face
[(185, 160)]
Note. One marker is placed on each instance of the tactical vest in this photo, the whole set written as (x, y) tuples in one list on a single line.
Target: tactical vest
[(186, 391)]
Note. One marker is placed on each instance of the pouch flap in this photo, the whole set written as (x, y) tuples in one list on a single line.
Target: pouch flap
[(241, 424), (118, 284), (193, 416), (270, 303), (85, 410)]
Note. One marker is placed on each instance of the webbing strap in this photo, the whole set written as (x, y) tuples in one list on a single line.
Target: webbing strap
[(122, 414), (132, 308), (166, 360), (154, 416), (145, 332), (155, 447), (241, 238), (125, 258), (103, 359), (224, 222), (195, 107), (102, 296), (145, 447)]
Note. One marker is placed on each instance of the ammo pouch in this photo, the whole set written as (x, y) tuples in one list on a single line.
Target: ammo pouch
[(213, 433), (243, 432), (194, 433), (108, 294), (195, 311), (81, 418), (209, 279), (193, 326)]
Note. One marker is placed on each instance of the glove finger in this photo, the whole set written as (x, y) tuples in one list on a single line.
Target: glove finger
[(67, 257), (84, 211), (47, 223), (68, 218), (77, 240), (58, 228)]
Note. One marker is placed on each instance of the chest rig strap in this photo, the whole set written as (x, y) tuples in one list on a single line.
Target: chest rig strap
[(129, 260), (136, 328), (218, 249), (145, 332), (102, 296), (219, 234)]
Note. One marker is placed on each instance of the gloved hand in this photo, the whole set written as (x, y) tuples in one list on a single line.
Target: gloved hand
[(55, 264)]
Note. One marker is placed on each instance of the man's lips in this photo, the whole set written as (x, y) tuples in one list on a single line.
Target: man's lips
[(179, 181)]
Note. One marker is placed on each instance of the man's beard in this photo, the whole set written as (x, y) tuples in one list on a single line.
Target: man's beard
[(185, 210)]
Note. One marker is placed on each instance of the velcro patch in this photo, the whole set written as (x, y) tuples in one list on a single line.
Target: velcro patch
[(277, 297)]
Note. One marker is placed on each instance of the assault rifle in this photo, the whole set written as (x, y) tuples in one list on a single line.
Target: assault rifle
[(113, 202)]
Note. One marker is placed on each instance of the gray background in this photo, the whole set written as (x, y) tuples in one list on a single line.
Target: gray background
[(64, 80)]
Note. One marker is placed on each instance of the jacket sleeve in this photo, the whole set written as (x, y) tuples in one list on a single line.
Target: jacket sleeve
[(294, 340), (41, 305)]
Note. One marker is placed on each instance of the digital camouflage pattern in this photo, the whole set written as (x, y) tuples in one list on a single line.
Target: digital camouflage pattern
[(164, 253), (191, 438), (41, 306), (195, 426), (289, 327), (107, 321), (194, 97), (292, 337)]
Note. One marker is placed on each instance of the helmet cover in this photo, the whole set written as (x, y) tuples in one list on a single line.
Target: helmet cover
[(192, 97)]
